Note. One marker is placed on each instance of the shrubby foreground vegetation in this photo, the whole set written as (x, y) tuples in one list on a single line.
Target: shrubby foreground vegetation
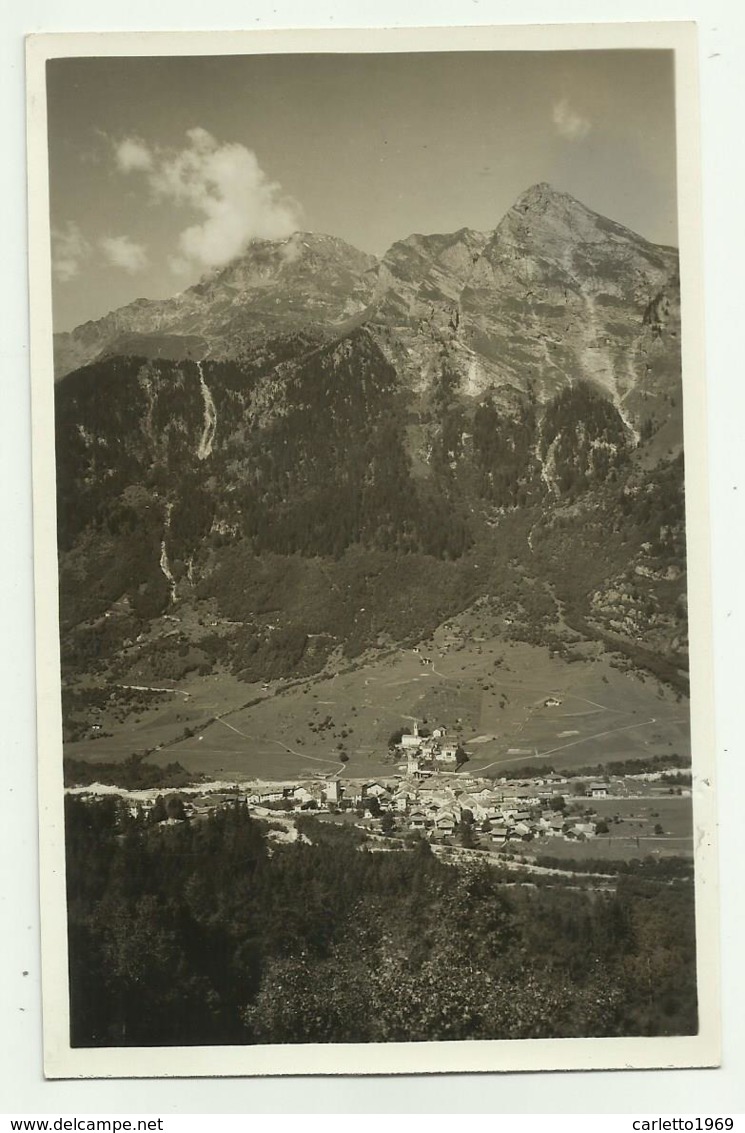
[(205, 933)]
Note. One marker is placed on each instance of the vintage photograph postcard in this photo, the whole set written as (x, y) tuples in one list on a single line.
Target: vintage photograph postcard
[(374, 682)]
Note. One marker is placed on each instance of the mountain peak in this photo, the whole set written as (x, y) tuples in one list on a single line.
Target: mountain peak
[(542, 196), (546, 217), (539, 189), (265, 262)]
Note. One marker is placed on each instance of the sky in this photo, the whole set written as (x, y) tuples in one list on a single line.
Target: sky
[(162, 169)]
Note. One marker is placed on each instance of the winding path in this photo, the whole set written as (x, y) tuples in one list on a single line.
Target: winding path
[(573, 743), (291, 750)]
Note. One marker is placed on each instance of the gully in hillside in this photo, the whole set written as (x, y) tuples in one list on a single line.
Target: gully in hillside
[(210, 419)]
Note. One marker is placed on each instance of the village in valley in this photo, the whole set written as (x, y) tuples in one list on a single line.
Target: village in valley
[(431, 796)]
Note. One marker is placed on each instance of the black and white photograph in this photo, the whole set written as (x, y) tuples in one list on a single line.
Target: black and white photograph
[(371, 581)]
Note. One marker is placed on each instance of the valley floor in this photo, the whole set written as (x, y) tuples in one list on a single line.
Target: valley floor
[(509, 703)]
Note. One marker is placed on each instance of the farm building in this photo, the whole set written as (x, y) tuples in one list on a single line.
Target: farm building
[(598, 790)]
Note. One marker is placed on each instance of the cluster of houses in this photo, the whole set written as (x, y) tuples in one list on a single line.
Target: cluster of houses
[(441, 804), (426, 753), (504, 810), (436, 806)]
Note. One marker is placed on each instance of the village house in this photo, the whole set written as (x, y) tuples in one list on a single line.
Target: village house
[(377, 791), (491, 801), (477, 808), (266, 793), (598, 791), (429, 804), (333, 791), (445, 822), (401, 801), (436, 798), (448, 753), (527, 794), (587, 829), (415, 766), (202, 804)]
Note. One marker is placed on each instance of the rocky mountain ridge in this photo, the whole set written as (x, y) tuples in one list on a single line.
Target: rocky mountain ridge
[(305, 280), (554, 293)]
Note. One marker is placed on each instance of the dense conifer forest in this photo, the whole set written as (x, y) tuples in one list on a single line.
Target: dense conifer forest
[(205, 932), (311, 505)]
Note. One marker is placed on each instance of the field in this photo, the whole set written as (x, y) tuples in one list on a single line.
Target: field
[(188, 704), (510, 704), (631, 837)]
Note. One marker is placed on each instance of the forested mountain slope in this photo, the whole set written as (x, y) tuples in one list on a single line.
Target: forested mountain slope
[(333, 453)]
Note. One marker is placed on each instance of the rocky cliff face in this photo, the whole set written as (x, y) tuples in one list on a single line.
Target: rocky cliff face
[(556, 293), (560, 293)]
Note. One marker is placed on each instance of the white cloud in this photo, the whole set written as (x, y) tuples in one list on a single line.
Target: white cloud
[(225, 185), (122, 252), (133, 154), (569, 124), (69, 249)]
